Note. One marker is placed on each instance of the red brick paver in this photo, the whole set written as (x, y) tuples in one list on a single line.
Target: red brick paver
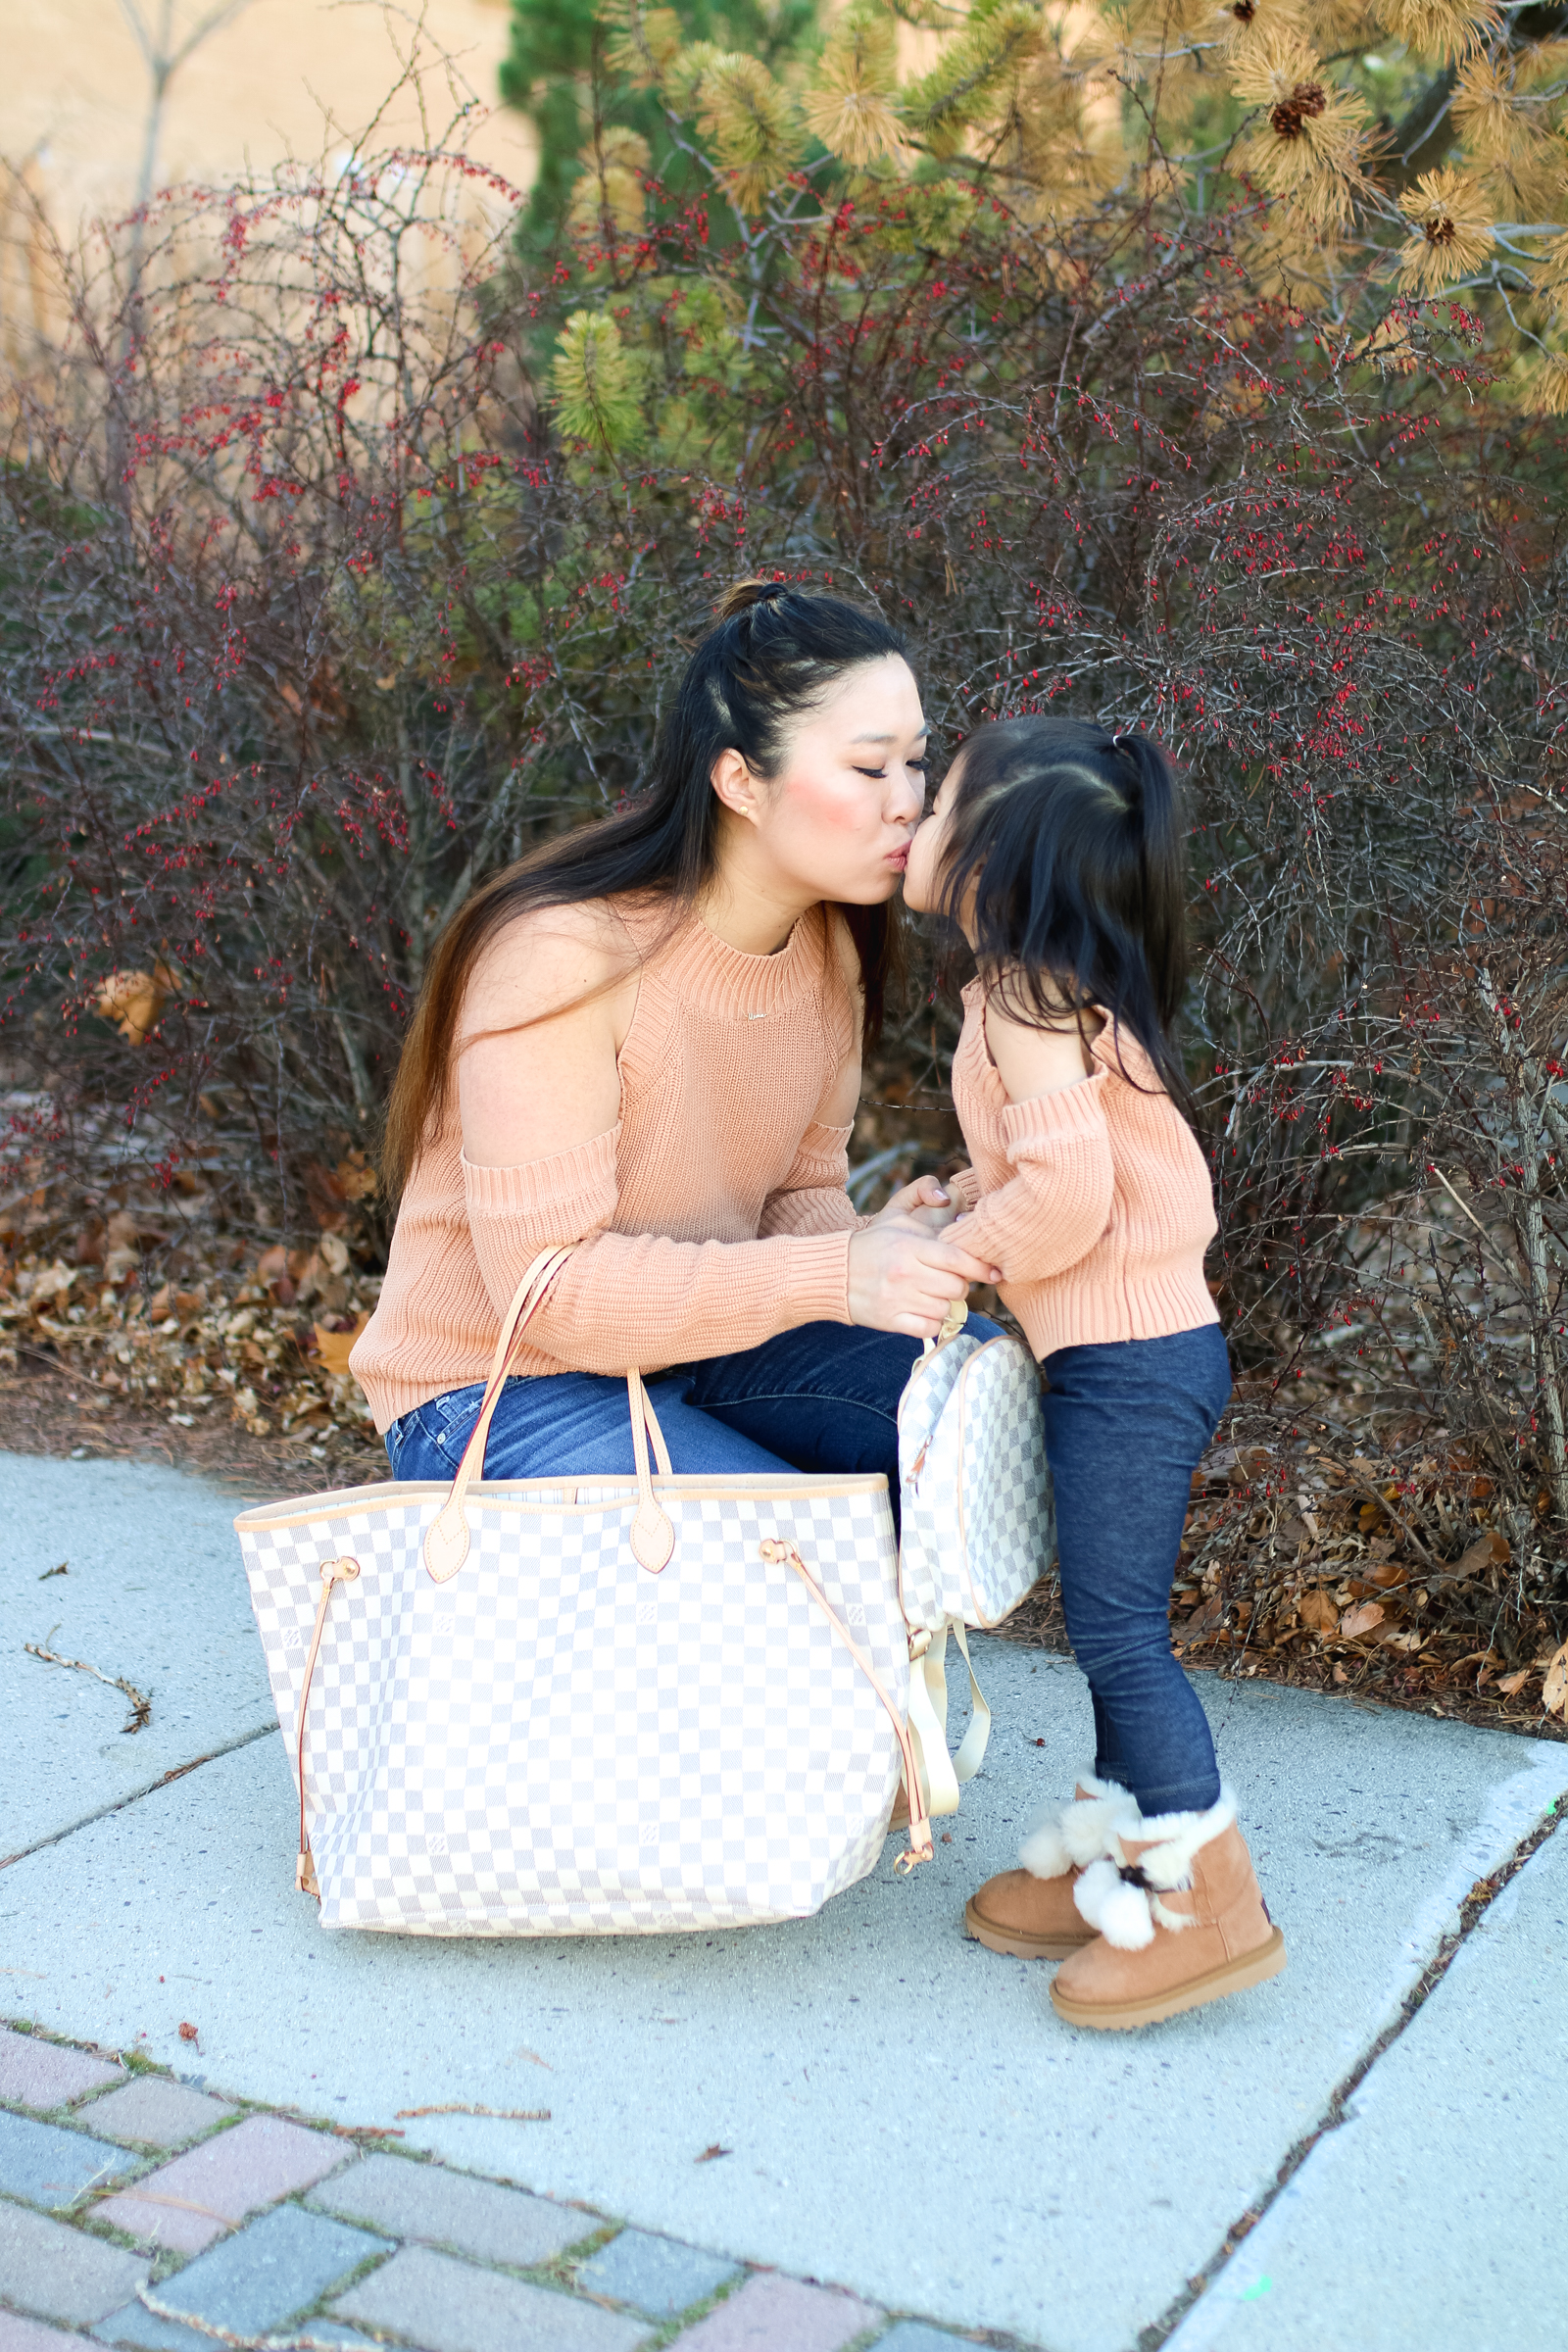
[(17, 2334), (40, 2075), (60, 2273), (154, 2113), (771, 2314), (184, 2205)]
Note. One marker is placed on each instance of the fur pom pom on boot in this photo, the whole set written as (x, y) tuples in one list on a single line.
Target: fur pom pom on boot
[(1179, 1921), (1030, 1912)]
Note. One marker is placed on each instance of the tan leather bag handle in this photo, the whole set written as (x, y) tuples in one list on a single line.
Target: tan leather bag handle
[(446, 1539)]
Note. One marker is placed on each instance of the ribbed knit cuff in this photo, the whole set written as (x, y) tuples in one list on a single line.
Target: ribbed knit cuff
[(820, 1276), (1072, 1111)]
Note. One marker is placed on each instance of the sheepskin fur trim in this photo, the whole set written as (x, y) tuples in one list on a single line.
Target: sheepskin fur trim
[(1171, 1839), (1119, 1911), (1071, 1835), (1125, 1910)]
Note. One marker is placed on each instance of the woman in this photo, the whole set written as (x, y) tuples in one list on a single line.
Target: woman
[(647, 1039)]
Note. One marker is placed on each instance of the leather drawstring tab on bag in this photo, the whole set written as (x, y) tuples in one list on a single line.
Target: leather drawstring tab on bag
[(332, 1572), (920, 1848)]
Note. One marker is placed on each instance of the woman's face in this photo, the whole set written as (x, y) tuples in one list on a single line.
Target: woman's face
[(836, 821)]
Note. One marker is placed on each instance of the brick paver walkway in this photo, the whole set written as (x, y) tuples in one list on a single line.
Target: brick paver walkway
[(158, 2217)]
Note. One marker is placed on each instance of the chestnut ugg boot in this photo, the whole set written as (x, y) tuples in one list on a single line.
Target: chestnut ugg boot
[(1180, 1921), (1030, 1912)]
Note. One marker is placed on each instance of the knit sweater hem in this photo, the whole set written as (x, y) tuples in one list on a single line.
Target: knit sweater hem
[(1065, 1313)]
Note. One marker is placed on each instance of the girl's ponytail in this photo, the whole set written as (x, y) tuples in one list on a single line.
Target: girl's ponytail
[(1163, 863)]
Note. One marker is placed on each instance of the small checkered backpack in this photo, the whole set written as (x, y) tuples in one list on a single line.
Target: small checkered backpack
[(589, 1705), (979, 1524)]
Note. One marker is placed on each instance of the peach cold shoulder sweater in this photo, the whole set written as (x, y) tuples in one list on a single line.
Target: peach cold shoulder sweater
[(711, 1215), (1095, 1200)]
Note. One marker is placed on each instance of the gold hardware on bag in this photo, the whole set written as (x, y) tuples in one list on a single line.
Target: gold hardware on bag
[(920, 1643)]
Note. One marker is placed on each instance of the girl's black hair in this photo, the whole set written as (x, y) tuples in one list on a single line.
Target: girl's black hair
[(772, 654), (1071, 840)]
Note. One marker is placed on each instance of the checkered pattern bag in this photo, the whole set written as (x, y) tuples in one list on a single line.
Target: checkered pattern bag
[(585, 1706), (979, 1523)]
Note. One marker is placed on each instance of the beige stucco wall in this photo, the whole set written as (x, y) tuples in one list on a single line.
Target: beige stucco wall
[(284, 79)]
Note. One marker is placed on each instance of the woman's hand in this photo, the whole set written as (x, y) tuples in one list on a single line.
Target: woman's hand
[(903, 1278)]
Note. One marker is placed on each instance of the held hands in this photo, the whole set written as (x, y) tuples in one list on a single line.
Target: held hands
[(902, 1274), (927, 1201)]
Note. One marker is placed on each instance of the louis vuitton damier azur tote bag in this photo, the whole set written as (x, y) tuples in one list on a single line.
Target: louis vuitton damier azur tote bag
[(585, 1706)]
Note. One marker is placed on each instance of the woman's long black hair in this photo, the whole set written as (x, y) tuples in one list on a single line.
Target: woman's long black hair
[(1071, 842), (772, 654)]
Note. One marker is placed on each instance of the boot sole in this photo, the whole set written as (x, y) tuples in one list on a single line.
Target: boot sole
[(1235, 1975), (1022, 1947)]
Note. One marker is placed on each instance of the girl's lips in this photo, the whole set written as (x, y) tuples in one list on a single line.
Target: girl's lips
[(899, 858)]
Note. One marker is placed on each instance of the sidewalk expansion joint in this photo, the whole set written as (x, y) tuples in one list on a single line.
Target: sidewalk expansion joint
[(1473, 1909), (135, 1796)]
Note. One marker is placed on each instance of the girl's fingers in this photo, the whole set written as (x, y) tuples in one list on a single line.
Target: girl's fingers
[(950, 1257), (924, 1193)]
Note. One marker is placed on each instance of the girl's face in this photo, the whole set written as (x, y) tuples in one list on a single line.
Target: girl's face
[(835, 822), (923, 874)]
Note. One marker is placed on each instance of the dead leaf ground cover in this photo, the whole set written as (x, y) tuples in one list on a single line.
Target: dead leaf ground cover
[(1380, 1574), (1335, 1541)]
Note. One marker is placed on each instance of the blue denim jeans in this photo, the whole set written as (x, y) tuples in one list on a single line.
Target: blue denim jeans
[(823, 1396), (1125, 1427)]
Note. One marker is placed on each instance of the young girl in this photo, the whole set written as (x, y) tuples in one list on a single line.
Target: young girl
[(1056, 849)]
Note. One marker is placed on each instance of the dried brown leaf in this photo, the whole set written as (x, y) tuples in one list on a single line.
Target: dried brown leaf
[(334, 1346), (1362, 1619), (1554, 1690), (133, 1000), (1315, 1609), (1510, 1683), (1490, 1550)]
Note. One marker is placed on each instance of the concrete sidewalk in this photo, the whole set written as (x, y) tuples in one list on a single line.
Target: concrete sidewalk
[(902, 2113)]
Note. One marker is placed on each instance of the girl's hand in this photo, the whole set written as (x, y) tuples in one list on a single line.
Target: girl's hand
[(926, 1200), (904, 1279)]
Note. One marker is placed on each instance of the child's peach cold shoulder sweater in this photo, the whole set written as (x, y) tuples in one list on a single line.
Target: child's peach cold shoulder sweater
[(712, 1216), (1095, 1200)]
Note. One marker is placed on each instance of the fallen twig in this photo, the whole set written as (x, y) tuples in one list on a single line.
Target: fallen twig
[(506, 2115), (141, 1707), (293, 2340), (1371, 1493)]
